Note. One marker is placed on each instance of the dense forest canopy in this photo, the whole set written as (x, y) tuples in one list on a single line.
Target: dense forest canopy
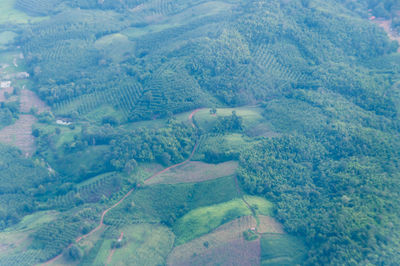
[(303, 95)]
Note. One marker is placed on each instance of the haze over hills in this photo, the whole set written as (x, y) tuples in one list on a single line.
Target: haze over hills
[(153, 132)]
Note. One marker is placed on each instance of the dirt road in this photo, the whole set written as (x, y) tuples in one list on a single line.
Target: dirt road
[(101, 224)]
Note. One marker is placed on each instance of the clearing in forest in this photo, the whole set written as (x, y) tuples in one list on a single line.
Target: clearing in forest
[(19, 134), (267, 224), (143, 244), (195, 172), (387, 26), (29, 100)]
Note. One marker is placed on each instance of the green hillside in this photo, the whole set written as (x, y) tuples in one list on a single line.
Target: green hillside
[(153, 132)]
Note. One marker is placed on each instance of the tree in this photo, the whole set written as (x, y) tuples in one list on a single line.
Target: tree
[(75, 253)]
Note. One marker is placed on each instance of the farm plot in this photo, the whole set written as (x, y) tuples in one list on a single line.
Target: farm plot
[(8, 14), (281, 249), (251, 117), (19, 134), (203, 220), (29, 100), (146, 244), (268, 224), (224, 246), (195, 172)]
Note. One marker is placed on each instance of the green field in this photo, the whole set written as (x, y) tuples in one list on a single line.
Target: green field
[(203, 220), (145, 245), (281, 249), (251, 116)]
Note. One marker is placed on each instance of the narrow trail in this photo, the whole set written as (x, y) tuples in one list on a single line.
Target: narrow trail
[(113, 250), (101, 224)]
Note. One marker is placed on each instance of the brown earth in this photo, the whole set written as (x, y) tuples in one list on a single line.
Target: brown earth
[(19, 134), (29, 99), (195, 172), (387, 26), (226, 246), (269, 225)]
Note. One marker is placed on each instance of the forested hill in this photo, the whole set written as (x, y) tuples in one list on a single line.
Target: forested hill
[(301, 96)]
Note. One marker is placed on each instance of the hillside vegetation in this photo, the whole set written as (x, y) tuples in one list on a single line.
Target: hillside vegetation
[(292, 107)]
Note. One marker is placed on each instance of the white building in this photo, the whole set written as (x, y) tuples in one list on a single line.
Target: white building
[(5, 84)]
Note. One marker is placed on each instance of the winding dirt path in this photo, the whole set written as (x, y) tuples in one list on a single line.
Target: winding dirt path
[(101, 224)]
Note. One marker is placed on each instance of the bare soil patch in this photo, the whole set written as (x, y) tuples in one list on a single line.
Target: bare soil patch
[(269, 225), (195, 172), (224, 246), (19, 134), (387, 26), (29, 100)]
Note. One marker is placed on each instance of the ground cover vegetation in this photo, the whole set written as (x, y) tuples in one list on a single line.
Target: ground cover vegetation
[(303, 94)]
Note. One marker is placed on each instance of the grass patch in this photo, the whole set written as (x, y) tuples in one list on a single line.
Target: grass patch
[(228, 146), (146, 244), (281, 249), (259, 205), (203, 220), (34, 220), (251, 116), (103, 252), (115, 46), (98, 114)]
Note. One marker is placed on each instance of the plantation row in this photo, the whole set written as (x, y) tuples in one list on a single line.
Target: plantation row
[(267, 61), (94, 192), (123, 98), (37, 7), (29, 257)]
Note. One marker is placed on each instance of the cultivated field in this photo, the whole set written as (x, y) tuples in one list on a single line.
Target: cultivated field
[(203, 220), (146, 244), (224, 246), (267, 224), (195, 172), (19, 134), (29, 100), (281, 249), (8, 14)]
